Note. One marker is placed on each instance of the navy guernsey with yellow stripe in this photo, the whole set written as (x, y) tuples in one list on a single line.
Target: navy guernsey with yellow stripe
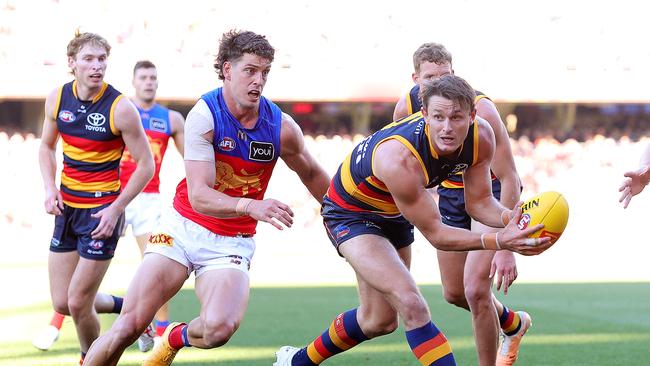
[(92, 146), (413, 104), (355, 188)]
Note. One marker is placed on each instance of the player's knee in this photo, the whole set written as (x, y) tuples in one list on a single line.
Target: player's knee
[(455, 297), (79, 304), (477, 296), (218, 333), (380, 326), (61, 306), (127, 328), (413, 307)]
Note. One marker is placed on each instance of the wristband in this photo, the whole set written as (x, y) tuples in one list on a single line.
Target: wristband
[(505, 219), (490, 241), (242, 206)]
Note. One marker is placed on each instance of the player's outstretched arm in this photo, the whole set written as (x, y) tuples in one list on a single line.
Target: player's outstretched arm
[(402, 174), (298, 158), (47, 156), (636, 180)]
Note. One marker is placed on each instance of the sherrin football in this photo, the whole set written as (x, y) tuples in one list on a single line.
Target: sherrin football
[(548, 208)]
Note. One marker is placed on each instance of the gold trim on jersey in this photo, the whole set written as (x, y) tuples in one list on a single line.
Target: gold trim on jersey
[(351, 188), (434, 153), (409, 105), (58, 104), (78, 154), (76, 185), (96, 97), (111, 119)]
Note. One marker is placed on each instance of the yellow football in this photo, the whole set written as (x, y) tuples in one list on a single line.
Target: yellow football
[(548, 208)]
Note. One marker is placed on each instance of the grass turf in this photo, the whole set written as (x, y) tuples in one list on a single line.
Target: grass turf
[(573, 324)]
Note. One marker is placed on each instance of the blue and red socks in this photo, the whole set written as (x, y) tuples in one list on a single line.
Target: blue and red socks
[(430, 346), (510, 321), (160, 325), (178, 337), (343, 334)]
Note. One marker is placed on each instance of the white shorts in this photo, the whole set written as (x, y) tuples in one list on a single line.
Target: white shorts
[(143, 213), (198, 248)]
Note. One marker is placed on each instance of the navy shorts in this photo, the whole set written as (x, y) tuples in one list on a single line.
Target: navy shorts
[(72, 232), (452, 205), (342, 225)]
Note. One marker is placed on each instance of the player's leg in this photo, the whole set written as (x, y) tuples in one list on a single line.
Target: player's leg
[(478, 293), (161, 319), (156, 272), (61, 266), (83, 288)]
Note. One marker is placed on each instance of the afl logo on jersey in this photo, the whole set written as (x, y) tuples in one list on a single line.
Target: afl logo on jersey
[(261, 151), (96, 122), (66, 116), (227, 144)]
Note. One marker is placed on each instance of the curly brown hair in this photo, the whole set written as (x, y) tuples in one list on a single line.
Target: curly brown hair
[(235, 43), (430, 52)]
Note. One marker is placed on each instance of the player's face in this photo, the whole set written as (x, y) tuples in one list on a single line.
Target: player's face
[(432, 71), (247, 77), (145, 82), (89, 65), (448, 124)]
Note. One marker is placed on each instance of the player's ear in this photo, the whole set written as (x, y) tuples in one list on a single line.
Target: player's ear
[(473, 114), (227, 69), (414, 76)]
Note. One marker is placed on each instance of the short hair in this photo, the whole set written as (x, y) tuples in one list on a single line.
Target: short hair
[(82, 39), (143, 64), (430, 52), (450, 87), (235, 43)]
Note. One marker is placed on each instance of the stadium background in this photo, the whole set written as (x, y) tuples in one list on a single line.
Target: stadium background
[(569, 79)]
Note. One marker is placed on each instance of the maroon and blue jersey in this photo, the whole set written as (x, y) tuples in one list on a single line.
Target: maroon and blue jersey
[(157, 127), (245, 158)]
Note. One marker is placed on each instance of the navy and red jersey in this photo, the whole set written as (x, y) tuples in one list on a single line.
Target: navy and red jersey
[(245, 158), (355, 188), (92, 146), (157, 126), (414, 104)]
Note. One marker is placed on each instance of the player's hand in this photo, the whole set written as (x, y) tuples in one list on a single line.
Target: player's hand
[(633, 184), (53, 201), (272, 211), (108, 218), (515, 240), (504, 266)]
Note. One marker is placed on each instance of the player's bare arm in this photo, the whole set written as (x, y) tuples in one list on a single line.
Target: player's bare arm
[(503, 164), (298, 158), (402, 174), (178, 131), (479, 201), (127, 122), (401, 109), (47, 156)]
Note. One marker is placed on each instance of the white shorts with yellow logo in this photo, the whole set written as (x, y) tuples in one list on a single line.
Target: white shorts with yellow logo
[(198, 248), (143, 213)]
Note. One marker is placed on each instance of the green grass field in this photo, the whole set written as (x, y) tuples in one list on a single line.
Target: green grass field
[(573, 324)]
